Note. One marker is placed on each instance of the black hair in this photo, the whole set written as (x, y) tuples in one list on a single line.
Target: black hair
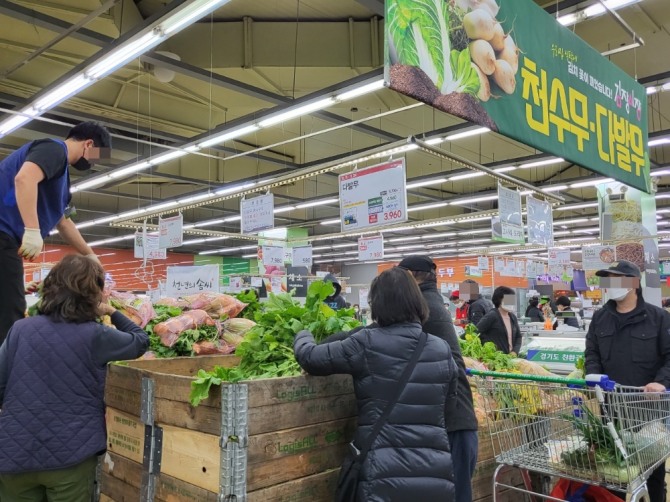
[(91, 130), (534, 301), (395, 298), (422, 276), (499, 293), (563, 300)]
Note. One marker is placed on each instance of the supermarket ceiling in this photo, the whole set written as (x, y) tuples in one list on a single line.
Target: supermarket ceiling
[(250, 59)]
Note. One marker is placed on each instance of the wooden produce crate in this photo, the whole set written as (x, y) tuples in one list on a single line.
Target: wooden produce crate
[(264, 440)]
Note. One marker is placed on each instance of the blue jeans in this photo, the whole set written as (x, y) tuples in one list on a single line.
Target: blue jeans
[(464, 446)]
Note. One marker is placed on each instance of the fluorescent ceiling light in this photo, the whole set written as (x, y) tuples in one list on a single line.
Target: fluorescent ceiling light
[(232, 218), (166, 157), (474, 232), (61, 92), (111, 239), (129, 170), (316, 203), (417, 184), (473, 200), (195, 198), (92, 183), (652, 90), (283, 209), (427, 206), (591, 183), (666, 86), (404, 239), (540, 163), (348, 245), (555, 188), (188, 15), (576, 206), (439, 236), (465, 176), (236, 188), (662, 172), (660, 141), (252, 255), (467, 134), (228, 135), (434, 141), (13, 123), (505, 169), (360, 91), (594, 10), (331, 222), (122, 55), (209, 223), (570, 222), (297, 112)]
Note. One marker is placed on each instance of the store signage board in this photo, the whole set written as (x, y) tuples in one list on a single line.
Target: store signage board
[(370, 248), (373, 197), (273, 256), (257, 213), (550, 90), (540, 222), (170, 232), (472, 271), (553, 356), (598, 257), (508, 226), (301, 256), (191, 279), (148, 248), (559, 264), (483, 263)]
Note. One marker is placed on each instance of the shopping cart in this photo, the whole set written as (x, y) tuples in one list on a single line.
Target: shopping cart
[(591, 431)]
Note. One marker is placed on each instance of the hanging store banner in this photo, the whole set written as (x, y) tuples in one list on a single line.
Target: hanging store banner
[(598, 257), (170, 232), (370, 248), (540, 222), (511, 67), (150, 249), (257, 214), (373, 197), (183, 281), (628, 222), (508, 226)]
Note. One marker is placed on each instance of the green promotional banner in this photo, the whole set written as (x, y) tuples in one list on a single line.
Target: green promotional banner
[(509, 66)]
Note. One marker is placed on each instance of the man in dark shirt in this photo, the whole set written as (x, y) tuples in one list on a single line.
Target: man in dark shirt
[(34, 199)]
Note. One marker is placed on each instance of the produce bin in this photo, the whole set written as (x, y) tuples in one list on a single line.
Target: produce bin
[(266, 440)]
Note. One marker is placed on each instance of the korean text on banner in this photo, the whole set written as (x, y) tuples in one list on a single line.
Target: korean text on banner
[(374, 196), (301, 256), (370, 248), (192, 279), (170, 232), (540, 222), (148, 249), (598, 257), (508, 226), (273, 256), (551, 89), (257, 213)]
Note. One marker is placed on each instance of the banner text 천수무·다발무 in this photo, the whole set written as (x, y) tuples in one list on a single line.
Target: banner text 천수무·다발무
[(511, 67)]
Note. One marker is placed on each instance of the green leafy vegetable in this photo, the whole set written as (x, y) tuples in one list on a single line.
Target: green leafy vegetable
[(253, 305), (487, 353)]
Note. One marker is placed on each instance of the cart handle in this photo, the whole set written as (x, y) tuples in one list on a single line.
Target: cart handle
[(591, 380)]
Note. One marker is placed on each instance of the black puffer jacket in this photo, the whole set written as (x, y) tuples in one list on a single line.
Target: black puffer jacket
[(632, 349), (459, 413), (410, 460)]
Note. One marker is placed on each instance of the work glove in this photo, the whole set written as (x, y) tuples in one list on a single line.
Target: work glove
[(31, 246), (93, 257)]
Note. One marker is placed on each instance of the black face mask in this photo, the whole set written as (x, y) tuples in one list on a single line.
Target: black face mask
[(82, 165)]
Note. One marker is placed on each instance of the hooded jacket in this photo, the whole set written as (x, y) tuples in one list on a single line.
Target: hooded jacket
[(633, 348), (410, 459), (337, 301)]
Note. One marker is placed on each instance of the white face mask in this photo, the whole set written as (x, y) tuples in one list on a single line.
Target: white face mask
[(618, 294), (509, 308)]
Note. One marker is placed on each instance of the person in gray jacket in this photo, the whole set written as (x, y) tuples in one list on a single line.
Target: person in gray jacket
[(410, 459), (459, 413)]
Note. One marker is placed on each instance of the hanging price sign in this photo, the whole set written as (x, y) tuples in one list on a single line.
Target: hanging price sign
[(370, 248)]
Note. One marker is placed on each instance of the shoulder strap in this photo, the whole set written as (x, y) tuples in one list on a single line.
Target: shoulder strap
[(402, 383)]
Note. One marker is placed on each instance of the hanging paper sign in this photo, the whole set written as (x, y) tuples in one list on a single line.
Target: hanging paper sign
[(370, 248), (235, 283), (520, 268), (189, 280), (257, 214), (301, 256), (256, 282), (540, 222), (483, 263), (473, 271), (273, 256), (559, 264), (148, 248), (598, 257), (508, 226), (170, 232), (498, 265), (363, 298), (374, 196)]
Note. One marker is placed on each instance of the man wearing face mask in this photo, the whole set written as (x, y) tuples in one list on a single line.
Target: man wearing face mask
[(629, 340), (34, 199)]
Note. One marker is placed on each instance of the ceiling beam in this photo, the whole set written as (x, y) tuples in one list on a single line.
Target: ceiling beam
[(374, 6)]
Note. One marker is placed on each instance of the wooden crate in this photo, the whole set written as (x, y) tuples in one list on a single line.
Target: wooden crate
[(297, 428)]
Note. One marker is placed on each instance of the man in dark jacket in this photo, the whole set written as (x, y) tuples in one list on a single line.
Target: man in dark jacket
[(629, 340), (337, 301), (459, 413), (478, 306), (563, 305)]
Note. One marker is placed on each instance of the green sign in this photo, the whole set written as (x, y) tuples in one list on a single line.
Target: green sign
[(553, 356), (514, 69)]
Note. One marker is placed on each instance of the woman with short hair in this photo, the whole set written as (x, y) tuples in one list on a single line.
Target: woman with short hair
[(410, 458), (500, 325), (52, 381)]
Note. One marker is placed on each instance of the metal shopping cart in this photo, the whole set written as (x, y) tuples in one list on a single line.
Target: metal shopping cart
[(591, 431)]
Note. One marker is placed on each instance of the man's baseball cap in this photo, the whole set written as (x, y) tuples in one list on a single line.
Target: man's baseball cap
[(622, 267), (418, 263)]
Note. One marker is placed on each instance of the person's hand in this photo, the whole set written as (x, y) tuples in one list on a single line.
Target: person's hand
[(654, 387), (93, 257), (512, 354), (31, 245), (32, 287), (106, 309)]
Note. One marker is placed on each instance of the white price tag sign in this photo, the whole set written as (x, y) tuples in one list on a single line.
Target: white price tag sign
[(170, 232), (273, 256), (257, 214), (370, 248), (483, 263), (374, 196), (302, 256), (508, 226), (192, 279), (148, 249)]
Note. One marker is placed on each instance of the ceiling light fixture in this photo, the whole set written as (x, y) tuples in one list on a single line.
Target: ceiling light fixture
[(426, 206), (316, 203), (228, 135), (466, 134), (283, 209), (473, 200), (417, 184), (540, 163), (594, 10), (590, 183), (658, 142), (331, 222)]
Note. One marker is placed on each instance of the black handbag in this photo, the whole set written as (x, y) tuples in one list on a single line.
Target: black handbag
[(347, 483)]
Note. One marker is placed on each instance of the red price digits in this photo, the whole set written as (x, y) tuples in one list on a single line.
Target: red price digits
[(393, 215)]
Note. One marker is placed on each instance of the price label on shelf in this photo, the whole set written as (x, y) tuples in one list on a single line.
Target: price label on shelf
[(370, 248), (302, 256), (273, 256)]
